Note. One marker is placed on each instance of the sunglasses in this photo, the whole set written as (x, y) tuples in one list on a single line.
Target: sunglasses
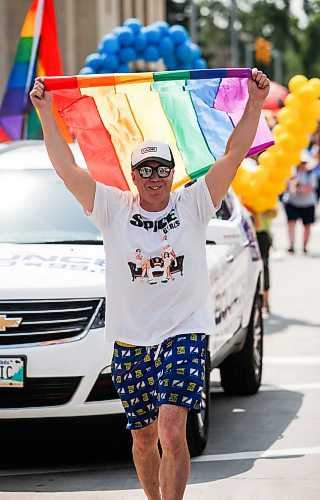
[(145, 171)]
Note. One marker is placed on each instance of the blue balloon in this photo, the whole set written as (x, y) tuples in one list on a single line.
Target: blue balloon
[(195, 49), (125, 35), (178, 34), (109, 44), (200, 64), (166, 46), (133, 23), (152, 33), (140, 42), (151, 53), (94, 61), (184, 53), (186, 65), (127, 54), (104, 71), (162, 26), (122, 68), (170, 62), (86, 71), (110, 62)]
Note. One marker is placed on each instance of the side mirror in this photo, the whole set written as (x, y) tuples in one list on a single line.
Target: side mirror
[(222, 232)]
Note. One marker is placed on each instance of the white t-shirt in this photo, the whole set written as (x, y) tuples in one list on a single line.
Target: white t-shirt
[(156, 269)]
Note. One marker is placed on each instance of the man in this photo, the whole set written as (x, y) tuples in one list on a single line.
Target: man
[(300, 201), (159, 331)]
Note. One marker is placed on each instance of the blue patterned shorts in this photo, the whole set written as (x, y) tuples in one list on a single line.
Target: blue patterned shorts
[(147, 377)]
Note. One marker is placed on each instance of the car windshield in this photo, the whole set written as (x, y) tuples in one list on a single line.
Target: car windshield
[(35, 207)]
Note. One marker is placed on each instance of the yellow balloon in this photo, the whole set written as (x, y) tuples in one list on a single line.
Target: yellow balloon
[(241, 180), (314, 112), (261, 175), (272, 202), (301, 141), (285, 140), (308, 111), (269, 188), (292, 102), (314, 83), (294, 156), (261, 203), (316, 109), (284, 115), (266, 159), (280, 187), (282, 172), (297, 82), (311, 126), (306, 93), (278, 130), (294, 126)]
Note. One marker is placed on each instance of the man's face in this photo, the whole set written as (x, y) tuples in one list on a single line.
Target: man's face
[(155, 191)]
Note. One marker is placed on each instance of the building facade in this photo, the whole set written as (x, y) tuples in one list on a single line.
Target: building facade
[(80, 24)]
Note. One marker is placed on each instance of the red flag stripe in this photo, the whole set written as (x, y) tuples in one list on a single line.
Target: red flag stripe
[(82, 116)]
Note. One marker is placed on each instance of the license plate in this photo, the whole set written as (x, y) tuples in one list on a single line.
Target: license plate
[(12, 371)]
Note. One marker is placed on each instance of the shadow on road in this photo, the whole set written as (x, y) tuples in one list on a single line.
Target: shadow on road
[(278, 324), (95, 456)]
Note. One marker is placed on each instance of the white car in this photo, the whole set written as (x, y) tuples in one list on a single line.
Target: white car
[(54, 358)]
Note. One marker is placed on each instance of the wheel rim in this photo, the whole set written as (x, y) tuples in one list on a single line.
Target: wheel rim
[(257, 341)]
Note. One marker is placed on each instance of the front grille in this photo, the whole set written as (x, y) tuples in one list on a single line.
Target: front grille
[(38, 392), (45, 320), (103, 389)]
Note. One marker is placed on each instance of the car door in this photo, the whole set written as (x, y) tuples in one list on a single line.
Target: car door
[(227, 273)]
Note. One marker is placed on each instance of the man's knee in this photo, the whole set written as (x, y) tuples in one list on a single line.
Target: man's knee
[(172, 427), (145, 438)]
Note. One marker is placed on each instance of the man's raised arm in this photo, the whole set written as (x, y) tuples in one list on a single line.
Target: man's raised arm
[(221, 174), (77, 180)]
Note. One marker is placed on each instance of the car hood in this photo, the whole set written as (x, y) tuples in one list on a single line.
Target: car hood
[(51, 271)]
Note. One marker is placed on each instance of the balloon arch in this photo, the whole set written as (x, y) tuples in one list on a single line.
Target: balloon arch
[(133, 42)]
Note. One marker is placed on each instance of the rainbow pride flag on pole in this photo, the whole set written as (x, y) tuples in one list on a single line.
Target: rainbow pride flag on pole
[(193, 111), (37, 55)]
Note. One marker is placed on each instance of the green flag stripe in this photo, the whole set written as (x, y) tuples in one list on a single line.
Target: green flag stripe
[(24, 49), (172, 75), (34, 126), (180, 112)]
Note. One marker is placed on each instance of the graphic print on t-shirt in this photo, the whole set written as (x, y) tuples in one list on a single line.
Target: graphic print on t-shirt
[(157, 268)]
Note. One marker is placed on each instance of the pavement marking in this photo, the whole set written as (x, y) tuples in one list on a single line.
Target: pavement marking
[(291, 360), (249, 455)]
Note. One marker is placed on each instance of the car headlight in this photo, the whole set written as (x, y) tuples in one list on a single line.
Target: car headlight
[(99, 320)]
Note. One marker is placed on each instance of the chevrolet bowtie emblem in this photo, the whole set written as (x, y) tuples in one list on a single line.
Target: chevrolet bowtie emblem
[(8, 322)]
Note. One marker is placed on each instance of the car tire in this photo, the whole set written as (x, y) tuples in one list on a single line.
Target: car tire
[(241, 372), (198, 423)]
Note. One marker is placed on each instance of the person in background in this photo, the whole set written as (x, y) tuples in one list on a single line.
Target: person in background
[(262, 223), (300, 201)]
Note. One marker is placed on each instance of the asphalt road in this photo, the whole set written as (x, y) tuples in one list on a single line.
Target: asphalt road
[(265, 446)]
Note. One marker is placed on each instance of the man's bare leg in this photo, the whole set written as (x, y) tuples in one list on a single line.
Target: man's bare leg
[(306, 235), (291, 230), (147, 459), (175, 462)]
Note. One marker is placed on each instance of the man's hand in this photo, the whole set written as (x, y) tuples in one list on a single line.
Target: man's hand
[(258, 86), (39, 97)]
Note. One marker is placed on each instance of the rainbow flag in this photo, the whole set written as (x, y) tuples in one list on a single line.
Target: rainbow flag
[(193, 111), (37, 55)]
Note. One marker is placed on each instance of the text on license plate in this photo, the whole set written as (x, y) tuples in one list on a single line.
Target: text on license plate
[(12, 372)]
